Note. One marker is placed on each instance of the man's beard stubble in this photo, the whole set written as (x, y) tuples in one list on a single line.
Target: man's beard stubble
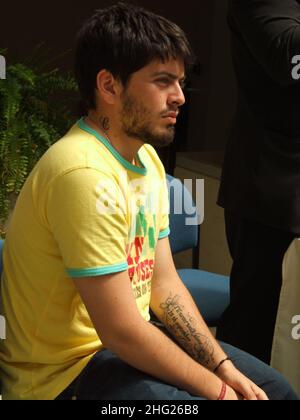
[(135, 123)]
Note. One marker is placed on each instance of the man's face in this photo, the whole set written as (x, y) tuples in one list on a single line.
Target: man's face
[(150, 103)]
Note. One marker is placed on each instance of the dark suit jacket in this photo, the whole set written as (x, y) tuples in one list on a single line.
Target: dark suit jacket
[(261, 172)]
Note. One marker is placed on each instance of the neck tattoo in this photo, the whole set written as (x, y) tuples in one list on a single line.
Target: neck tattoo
[(104, 123), (104, 127)]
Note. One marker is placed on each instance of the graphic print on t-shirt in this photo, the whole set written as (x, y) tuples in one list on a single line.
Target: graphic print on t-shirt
[(141, 246)]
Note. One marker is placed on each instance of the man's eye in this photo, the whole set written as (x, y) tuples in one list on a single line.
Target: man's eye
[(163, 81)]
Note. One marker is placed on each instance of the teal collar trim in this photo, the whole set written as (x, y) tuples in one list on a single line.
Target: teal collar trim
[(141, 171)]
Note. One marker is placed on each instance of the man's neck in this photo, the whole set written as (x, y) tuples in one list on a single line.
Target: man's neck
[(127, 148)]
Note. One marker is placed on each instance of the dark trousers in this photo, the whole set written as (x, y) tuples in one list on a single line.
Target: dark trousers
[(106, 377), (255, 284)]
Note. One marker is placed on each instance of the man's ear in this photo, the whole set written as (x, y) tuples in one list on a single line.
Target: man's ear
[(108, 88)]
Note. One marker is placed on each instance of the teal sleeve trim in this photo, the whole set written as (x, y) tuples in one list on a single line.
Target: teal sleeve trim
[(164, 233), (98, 271)]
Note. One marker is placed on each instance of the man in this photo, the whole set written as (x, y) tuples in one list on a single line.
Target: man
[(260, 187), (87, 253)]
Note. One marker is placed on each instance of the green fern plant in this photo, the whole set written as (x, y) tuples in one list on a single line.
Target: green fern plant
[(35, 111)]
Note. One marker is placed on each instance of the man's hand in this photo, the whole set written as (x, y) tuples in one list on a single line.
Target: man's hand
[(231, 395), (243, 387)]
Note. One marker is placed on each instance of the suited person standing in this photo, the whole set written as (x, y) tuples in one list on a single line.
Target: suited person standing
[(260, 186)]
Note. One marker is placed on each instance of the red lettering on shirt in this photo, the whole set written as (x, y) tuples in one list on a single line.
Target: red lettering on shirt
[(138, 271)]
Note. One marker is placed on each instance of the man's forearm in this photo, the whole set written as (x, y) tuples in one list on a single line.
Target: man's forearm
[(175, 307), (148, 349)]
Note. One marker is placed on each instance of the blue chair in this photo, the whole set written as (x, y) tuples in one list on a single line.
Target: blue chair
[(210, 291)]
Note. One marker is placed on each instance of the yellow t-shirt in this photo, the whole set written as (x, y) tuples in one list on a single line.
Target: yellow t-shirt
[(83, 211)]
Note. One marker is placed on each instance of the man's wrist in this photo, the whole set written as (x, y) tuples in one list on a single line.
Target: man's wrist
[(220, 364), (224, 371)]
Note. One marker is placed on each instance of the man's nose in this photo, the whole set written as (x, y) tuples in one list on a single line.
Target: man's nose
[(177, 97)]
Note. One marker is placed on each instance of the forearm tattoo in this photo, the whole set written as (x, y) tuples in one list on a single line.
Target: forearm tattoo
[(184, 329)]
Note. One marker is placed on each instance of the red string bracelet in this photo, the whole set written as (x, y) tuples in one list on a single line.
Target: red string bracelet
[(223, 392)]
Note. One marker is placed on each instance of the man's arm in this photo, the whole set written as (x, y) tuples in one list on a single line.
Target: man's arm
[(175, 308), (173, 305), (110, 302), (271, 31)]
